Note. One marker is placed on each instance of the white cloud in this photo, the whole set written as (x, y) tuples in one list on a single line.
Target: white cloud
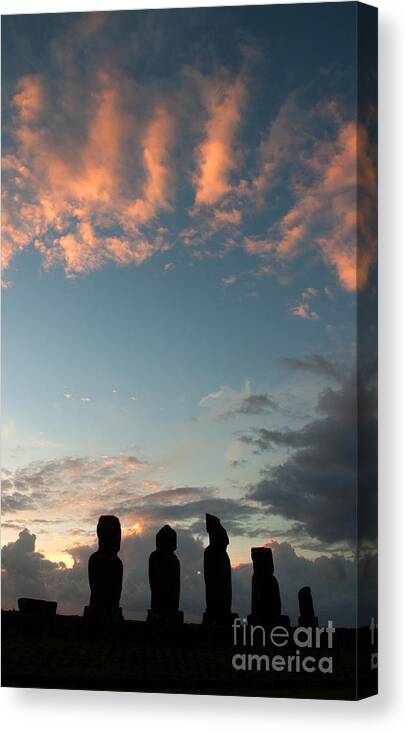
[(224, 398)]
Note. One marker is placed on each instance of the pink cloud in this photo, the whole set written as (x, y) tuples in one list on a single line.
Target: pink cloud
[(309, 292), (325, 212), (63, 196), (158, 185), (303, 311), (233, 216), (215, 155), (332, 204), (228, 281), (258, 246), (29, 99), (281, 139), (92, 193)]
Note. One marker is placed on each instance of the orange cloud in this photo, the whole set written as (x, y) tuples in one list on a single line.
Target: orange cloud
[(337, 206), (338, 191), (98, 176), (64, 197), (258, 246), (303, 311), (291, 130), (342, 201), (29, 99), (216, 157), (309, 292), (233, 216), (281, 139), (230, 280), (157, 189), (87, 192), (294, 225), (136, 529)]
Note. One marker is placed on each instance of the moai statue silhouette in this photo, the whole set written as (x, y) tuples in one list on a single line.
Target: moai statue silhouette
[(164, 579), (217, 575), (105, 572), (265, 591), (307, 617)]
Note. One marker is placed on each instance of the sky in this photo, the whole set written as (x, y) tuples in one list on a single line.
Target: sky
[(180, 284)]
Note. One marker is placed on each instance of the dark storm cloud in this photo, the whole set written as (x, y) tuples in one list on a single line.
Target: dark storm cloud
[(25, 571), (236, 514), (178, 495), (317, 484), (333, 580), (264, 439), (314, 364)]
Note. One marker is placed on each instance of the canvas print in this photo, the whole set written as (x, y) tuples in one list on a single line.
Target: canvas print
[(189, 350)]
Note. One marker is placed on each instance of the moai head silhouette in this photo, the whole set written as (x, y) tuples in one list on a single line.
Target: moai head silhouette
[(305, 602), (166, 539), (262, 558), (218, 537), (105, 572), (109, 535), (164, 580), (217, 575), (265, 589)]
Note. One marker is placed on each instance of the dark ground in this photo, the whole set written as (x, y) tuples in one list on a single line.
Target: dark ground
[(62, 652)]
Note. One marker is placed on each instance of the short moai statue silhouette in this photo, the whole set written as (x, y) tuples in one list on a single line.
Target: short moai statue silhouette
[(164, 579), (217, 576), (307, 617), (105, 572), (265, 591)]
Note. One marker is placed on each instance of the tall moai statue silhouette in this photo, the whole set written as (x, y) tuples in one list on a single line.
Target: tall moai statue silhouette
[(164, 579), (217, 576), (265, 591), (105, 572), (307, 617)]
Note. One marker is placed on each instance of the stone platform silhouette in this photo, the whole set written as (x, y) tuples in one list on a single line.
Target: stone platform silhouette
[(102, 650), (138, 656)]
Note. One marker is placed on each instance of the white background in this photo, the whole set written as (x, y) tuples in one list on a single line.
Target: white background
[(74, 711)]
